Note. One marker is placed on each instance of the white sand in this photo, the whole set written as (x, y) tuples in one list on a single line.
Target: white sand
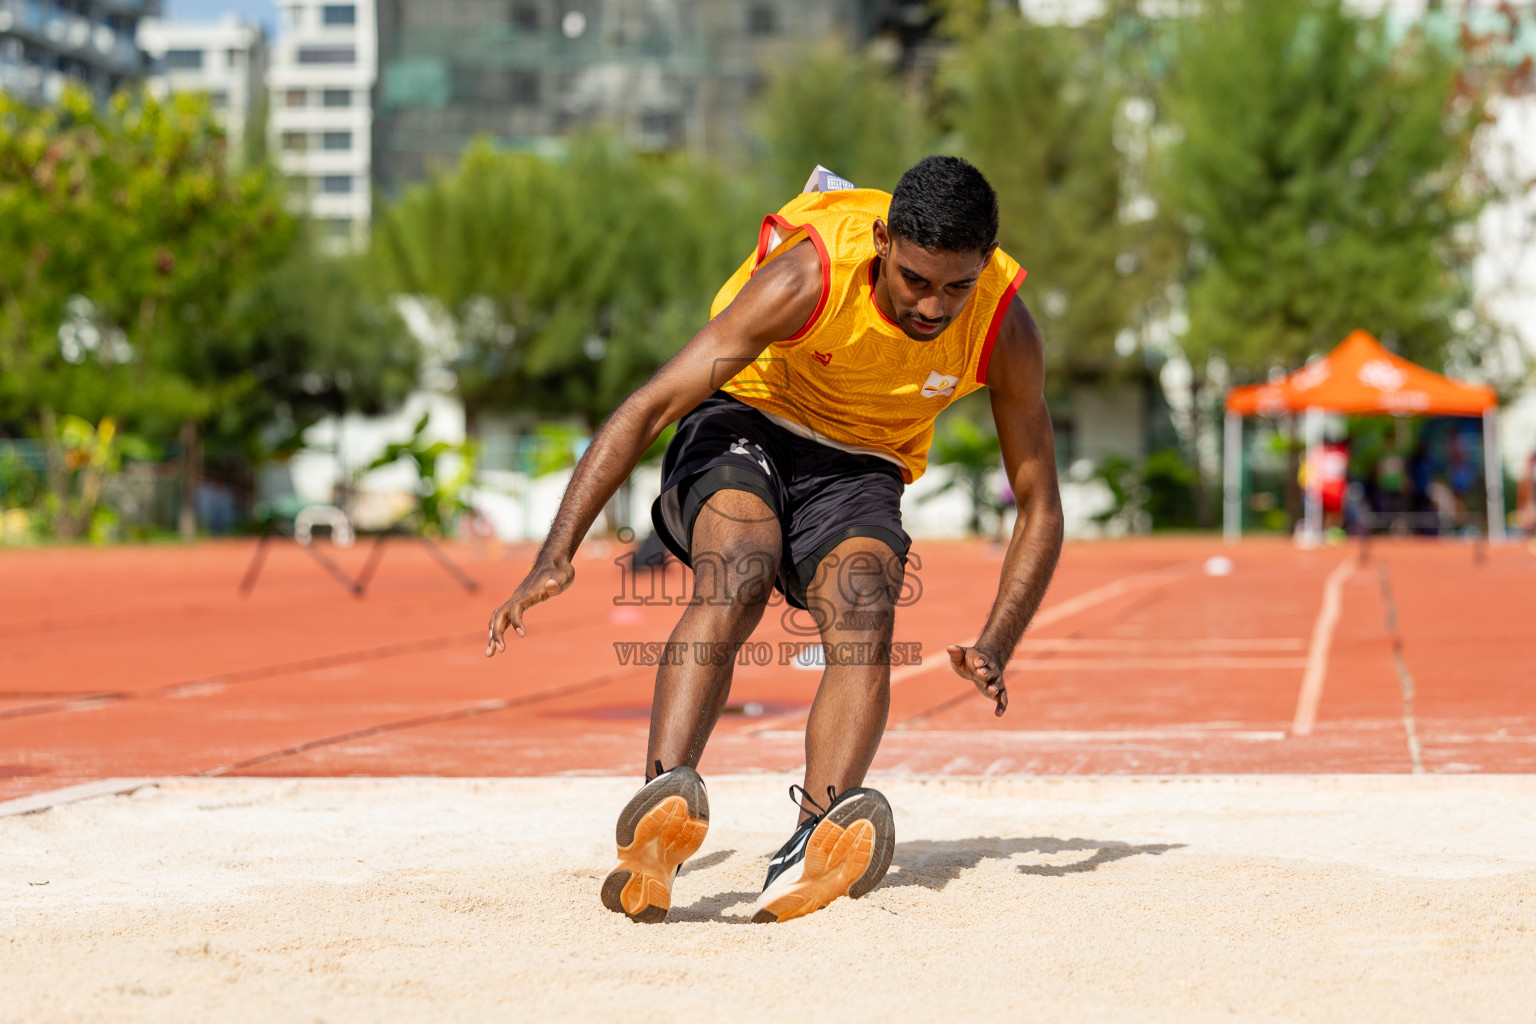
[(1353, 898)]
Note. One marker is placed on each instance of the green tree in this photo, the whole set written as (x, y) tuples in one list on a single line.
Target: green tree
[(317, 342), (567, 282), (144, 278), (123, 235), (1322, 177), (1051, 119), (1322, 180), (844, 110)]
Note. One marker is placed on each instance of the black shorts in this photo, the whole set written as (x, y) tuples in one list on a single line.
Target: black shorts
[(820, 495)]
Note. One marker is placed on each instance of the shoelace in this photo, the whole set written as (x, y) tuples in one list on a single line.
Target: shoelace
[(805, 798)]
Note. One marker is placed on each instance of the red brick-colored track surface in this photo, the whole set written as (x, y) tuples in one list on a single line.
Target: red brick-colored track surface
[(142, 661)]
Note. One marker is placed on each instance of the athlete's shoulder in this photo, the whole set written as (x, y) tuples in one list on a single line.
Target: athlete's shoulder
[(795, 270), (783, 298), (1017, 357)]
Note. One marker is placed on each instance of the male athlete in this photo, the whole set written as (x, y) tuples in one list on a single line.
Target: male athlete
[(807, 404)]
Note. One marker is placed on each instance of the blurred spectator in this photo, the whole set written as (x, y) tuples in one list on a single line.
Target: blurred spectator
[(1421, 509), (1442, 501), (1525, 497), (1460, 473), (1391, 490), (1333, 480)]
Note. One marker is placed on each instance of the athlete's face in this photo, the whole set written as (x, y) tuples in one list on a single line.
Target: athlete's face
[(926, 289)]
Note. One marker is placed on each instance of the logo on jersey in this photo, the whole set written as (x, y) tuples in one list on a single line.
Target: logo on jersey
[(939, 385), (824, 358)]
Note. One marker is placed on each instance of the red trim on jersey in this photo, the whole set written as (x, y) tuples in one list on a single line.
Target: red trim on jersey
[(872, 300), (774, 220), (997, 325)]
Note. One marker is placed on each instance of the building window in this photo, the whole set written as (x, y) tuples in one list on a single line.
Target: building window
[(525, 16), (337, 98), (295, 142), (327, 55), (295, 14), (184, 60), (232, 58), (661, 125), (524, 88), (219, 99), (295, 98), (336, 227), (338, 14), (762, 20), (336, 141), (336, 184)]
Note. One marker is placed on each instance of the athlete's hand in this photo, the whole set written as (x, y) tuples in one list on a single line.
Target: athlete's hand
[(544, 581), (985, 669)]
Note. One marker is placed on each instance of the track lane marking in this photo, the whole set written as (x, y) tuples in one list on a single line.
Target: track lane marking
[(472, 711), (1027, 664), (1181, 645), (209, 685), (1077, 735), (1404, 677), (1316, 673), (1055, 613), (930, 660)]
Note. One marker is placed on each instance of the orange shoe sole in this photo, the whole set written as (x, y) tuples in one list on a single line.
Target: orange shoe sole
[(656, 833), (847, 855)]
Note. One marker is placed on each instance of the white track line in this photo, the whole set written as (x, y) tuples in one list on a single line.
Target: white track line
[(1028, 664), (1055, 613), (1317, 654), (1045, 617), (1404, 677), (69, 794), (1071, 735), (1179, 645)]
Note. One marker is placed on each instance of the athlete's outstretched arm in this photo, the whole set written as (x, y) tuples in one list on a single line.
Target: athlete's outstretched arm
[(1016, 376), (774, 304)]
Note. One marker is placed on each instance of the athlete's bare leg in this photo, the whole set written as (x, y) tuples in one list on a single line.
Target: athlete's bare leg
[(853, 599), (736, 547)]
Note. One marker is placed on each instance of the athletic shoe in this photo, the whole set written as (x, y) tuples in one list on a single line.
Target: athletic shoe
[(661, 826), (843, 851)]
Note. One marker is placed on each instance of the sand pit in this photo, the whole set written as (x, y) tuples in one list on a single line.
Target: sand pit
[(1282, 898)]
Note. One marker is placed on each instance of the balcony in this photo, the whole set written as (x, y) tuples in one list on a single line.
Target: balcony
[(68, 33), (22, 81)]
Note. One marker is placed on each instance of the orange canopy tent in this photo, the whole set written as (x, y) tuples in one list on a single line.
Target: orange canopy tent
[(1363, 378)]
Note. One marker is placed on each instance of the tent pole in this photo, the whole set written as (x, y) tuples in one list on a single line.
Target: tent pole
[(1232, 480), (1493, 475), (1312, 531)]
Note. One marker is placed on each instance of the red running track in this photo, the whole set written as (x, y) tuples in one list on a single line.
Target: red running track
[(144, 661)]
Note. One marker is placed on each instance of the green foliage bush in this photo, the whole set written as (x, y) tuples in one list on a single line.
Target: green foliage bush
[(1243, 182)]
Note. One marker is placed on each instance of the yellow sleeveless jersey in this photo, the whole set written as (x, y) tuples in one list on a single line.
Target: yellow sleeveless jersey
[(851, 378)]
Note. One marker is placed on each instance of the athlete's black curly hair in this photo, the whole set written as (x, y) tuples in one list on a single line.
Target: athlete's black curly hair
[(944, 203)]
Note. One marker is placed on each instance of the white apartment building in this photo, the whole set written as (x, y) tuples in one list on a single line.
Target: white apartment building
[(226, 60), (320, 82)]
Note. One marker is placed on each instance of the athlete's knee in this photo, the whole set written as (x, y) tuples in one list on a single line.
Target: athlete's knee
[(869, 578), (736, 580), (861, 574), (734, 511), (854, 601)]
